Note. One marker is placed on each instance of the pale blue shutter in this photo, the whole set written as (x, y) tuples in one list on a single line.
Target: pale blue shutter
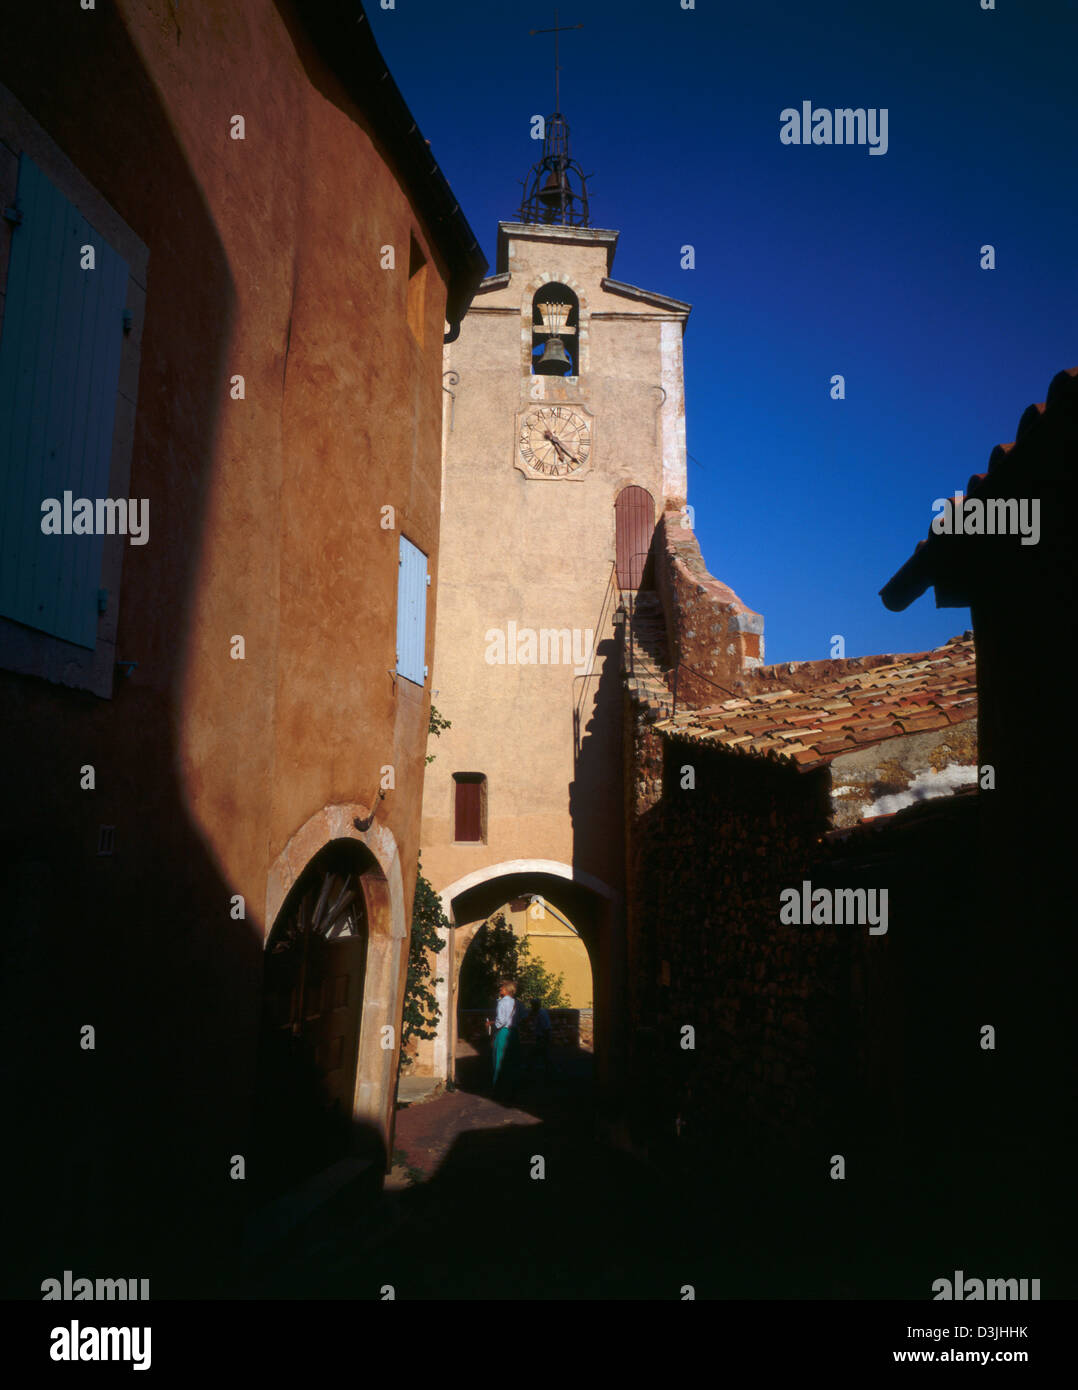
[(60, 345), (411, 612)]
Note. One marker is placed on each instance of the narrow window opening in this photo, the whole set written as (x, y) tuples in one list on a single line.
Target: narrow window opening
[(469, 807)]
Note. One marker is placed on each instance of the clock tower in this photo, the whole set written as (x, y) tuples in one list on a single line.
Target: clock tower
[(563, 443)]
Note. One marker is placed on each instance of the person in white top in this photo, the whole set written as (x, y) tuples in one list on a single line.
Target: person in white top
[(507, 1019)]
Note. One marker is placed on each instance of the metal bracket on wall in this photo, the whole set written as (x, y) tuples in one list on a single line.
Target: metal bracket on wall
[(655, 417), (364, 825), (454, 379)]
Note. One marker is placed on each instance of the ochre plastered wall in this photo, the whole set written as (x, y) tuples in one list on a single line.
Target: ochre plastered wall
[(264, 262)]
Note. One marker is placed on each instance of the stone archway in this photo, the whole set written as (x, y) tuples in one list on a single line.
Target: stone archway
[(312, 998), (544, 946), (386, 956), (592, 905)]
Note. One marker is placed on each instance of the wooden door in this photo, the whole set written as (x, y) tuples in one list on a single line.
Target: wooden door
[(634, 521), (313, 1000)]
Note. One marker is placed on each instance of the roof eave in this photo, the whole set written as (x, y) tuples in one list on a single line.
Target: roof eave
[(341, 33)]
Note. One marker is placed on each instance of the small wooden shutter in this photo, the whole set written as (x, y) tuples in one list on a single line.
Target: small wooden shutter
[(634, 521), (411, 613), (60, 346), (469, 816)]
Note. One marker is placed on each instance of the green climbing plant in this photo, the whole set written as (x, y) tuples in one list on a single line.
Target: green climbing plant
[(435, 726), (421, 1009)]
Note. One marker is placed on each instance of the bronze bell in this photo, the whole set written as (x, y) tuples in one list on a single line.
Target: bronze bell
[(555, 361), (550, 195)]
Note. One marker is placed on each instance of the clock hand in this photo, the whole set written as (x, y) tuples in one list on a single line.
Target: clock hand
[(560, 447)]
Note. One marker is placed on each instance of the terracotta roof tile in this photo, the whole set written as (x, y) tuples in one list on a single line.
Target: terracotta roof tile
[(831, 712)]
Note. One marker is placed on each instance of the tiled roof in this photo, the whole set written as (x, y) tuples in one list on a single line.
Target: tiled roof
[(819, 715)]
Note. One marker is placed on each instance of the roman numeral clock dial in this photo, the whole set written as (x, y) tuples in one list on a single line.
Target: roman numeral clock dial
[(555, 441)]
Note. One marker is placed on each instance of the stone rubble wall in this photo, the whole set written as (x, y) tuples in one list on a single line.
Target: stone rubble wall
[(569, 1027)]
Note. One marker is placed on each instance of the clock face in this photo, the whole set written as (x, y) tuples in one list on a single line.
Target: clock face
[(555, 441)]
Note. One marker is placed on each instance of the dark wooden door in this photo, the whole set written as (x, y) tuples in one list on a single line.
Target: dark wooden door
[(313, 1002), (634, 521)]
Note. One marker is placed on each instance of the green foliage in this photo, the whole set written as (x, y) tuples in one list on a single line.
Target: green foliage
[(534, 981), (497, 953), (421, 1010), (434, 728)]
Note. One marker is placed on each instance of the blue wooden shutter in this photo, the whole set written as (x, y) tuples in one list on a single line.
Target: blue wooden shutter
[(411, 613), (60, 345)]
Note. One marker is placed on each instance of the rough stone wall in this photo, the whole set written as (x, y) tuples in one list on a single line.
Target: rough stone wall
[(707, 866), (802, 1033), (569, 1027), (886, 777), (714, 637)]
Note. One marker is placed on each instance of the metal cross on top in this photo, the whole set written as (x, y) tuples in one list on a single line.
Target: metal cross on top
[(557, 29)]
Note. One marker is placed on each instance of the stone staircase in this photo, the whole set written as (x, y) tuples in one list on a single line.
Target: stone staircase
[(645, 655)]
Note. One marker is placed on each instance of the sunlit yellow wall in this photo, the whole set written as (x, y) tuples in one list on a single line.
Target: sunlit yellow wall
[(557, 949)]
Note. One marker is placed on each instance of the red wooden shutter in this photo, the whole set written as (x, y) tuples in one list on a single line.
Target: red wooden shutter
[(468, 810), (634, 521)]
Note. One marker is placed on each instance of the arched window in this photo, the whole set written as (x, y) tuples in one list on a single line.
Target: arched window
[(634, 522), (555, 331)]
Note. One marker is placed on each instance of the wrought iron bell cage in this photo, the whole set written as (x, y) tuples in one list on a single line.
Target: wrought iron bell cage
[(556, 190)]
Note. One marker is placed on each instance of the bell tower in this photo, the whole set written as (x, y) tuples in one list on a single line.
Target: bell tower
[(563, 443), (556, 190)]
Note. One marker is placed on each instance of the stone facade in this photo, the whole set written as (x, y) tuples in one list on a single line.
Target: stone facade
[(707, 950), (716, 637), (537, 554)]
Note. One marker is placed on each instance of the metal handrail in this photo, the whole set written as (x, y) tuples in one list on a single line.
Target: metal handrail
[(611, 584)]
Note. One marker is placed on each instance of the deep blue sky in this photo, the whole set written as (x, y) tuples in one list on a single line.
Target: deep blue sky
[(809, 260)]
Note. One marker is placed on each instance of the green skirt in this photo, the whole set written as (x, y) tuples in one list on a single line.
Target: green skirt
[(506, 1055)]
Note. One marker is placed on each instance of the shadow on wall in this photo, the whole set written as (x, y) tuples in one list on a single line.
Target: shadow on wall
[(120, 1157), (595, 794)]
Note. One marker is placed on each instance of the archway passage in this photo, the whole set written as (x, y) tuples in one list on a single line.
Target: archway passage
[(533, 941), (312, 1001)]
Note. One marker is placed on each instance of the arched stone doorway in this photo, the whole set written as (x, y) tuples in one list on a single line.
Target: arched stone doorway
[(387, 950), (312, 1002)]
